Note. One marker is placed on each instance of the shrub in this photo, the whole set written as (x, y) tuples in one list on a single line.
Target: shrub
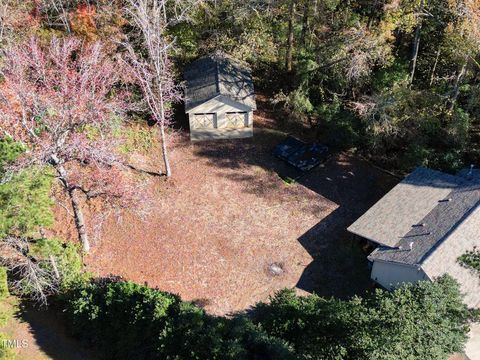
[(417, 321), (127, 321), (471, 260), (67, 258), (339, 128)]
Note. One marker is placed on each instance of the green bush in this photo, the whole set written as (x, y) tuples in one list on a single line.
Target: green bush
[(339, 128), (67, 257), (24, 197), (9, 151), (471, 260), (125, 320), (423, 321), (3, 283)]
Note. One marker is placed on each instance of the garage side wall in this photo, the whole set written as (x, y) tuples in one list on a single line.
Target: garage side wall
[(228, 120), (391, 275)]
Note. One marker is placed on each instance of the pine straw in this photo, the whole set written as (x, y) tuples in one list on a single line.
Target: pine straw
[(225, 216)]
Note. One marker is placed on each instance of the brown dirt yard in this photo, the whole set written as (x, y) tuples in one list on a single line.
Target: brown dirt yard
[(226, 216)]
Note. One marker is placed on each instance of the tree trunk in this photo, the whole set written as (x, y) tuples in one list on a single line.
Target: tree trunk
[(54, 266), (77, 210), (168, 171), (437, 57), (79, 220), (306, 10), (456, 87), (288, 58), (416, 45)]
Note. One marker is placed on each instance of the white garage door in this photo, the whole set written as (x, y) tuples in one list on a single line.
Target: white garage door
[(203, 121), (236, 119)]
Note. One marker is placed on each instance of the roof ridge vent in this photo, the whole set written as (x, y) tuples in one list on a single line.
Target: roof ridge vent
[(409, 247), (419, 225)]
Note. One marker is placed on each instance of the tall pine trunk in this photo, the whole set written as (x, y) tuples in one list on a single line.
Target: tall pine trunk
[(79, 220), (456, 87), (288, 57), (163, 135), (437, 57), (416, 44), (306, 10)]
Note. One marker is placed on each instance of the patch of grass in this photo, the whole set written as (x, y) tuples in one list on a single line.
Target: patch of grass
[(288, 180), (6, 353), (8, 306), (3, 283), (138, 139)]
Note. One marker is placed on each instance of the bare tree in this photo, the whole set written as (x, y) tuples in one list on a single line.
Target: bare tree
[(30, 275), (4, 9), (153, 71), (57, 13), (61, 107)]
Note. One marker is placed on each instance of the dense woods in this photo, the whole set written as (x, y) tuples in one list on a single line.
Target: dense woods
[(395, 81)]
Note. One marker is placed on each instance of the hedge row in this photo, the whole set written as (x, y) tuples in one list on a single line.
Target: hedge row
[(129, 321)]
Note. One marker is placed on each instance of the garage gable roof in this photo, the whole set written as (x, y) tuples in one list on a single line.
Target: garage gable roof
[(215, 75)]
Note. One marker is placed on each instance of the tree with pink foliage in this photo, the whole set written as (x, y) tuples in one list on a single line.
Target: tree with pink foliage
[(63, 101)]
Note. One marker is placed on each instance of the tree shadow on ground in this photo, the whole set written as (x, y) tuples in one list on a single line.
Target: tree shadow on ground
[(50, 334)]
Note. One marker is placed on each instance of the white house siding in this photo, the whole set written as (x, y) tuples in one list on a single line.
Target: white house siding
[(390, 275), (444, 259), (222, 129)]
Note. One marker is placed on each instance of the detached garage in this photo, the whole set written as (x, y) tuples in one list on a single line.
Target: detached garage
[(219, 98)]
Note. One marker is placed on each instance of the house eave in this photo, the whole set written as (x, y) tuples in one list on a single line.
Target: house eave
[(239, 105)]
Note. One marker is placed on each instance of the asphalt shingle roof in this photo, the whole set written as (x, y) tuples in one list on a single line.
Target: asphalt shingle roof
[(427, 221), (435, 227), (405, 205), (218, 74)]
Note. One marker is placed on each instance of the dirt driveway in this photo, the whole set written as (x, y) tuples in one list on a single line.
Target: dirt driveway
[(227, 231)]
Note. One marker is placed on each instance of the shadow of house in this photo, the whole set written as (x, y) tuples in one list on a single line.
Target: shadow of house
[(339, 266)]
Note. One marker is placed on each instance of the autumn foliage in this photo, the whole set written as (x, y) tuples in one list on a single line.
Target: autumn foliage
[(64, 101)]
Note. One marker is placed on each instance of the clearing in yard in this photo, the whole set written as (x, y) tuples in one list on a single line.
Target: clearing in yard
[(226, 231)]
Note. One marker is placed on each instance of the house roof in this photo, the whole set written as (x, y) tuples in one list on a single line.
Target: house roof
[(406, 204), (215, 75), (428, 220)]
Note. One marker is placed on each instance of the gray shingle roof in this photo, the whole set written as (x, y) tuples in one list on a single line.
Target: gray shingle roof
[(406, 204), (439, 215), (218, 74), (439, 224)]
